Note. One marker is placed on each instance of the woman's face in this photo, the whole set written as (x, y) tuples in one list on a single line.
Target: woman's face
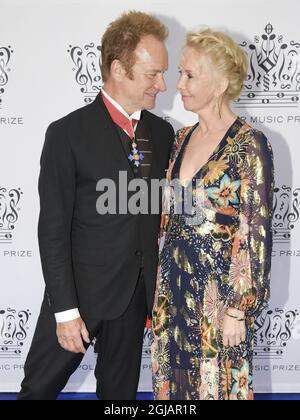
[(197, 83)]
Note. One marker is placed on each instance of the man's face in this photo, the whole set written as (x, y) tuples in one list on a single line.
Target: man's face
[(139, 91)]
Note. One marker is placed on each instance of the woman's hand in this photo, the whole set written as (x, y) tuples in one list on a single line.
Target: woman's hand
[(234, 327)]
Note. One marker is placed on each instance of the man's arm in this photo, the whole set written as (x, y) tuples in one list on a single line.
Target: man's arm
[(57, 198)]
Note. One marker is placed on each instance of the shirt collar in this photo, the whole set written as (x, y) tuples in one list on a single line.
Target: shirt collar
[(135, 116)]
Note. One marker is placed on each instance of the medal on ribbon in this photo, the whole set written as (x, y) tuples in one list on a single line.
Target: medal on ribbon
[(136, 157)]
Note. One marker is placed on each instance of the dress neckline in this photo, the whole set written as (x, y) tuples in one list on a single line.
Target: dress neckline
[(231, 132)]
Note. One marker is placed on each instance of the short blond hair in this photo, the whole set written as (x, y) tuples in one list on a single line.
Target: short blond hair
[(226, 56), (122, 37)]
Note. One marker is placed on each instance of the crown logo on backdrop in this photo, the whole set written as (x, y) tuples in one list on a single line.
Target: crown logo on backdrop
[(273, 331), (87, 69), (13, 332), (286, 213), (273, 79), (9, 200), (5, 55)]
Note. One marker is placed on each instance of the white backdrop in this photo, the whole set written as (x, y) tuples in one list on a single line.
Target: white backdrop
[(49, 66)]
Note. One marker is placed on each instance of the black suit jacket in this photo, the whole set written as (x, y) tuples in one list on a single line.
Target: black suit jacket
[(92, 261)]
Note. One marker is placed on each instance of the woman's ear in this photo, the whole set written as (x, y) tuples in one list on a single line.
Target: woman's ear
[(222, 86)]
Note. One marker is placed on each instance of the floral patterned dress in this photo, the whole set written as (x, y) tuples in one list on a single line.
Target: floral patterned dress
[(216, 255)]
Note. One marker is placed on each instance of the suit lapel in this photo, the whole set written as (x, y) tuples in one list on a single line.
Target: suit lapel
[(102, 125), (154, 136)]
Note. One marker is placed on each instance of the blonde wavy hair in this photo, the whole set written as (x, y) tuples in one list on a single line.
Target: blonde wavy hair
[(225, 55)]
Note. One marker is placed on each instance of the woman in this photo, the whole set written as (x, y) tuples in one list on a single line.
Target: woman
[(214, 271)]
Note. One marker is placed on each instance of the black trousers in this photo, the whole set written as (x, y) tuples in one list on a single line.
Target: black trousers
[(48, 367)]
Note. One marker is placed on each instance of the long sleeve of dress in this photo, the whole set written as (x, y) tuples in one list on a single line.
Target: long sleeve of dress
[(250, 268)]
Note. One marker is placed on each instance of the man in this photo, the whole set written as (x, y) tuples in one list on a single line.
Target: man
[(100, 269)]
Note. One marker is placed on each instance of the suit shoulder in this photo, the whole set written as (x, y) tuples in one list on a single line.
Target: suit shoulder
[(69, 119), (155, 119)]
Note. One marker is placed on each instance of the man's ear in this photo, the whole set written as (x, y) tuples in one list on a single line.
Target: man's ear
[(117, 70)]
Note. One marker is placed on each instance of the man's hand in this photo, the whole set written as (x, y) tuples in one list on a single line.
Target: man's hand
[(234, 328), (70, 335)]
